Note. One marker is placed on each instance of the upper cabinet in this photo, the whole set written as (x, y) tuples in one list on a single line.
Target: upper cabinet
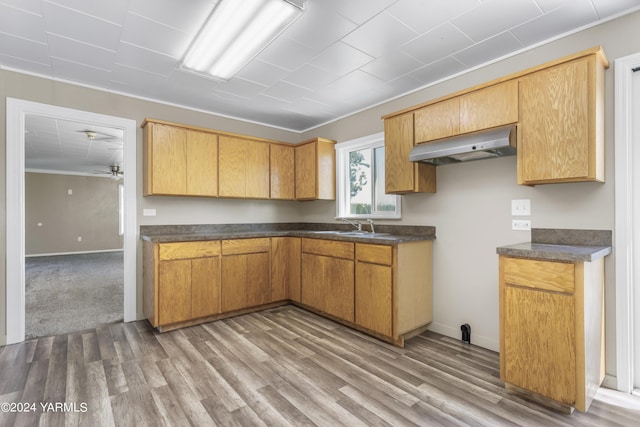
[(558, 108), (180, 161), (244, 168), (481, 109), (315, 170), (401, 175), (562, 123)]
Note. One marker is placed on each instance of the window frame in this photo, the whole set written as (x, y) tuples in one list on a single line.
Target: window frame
[(343, 184)]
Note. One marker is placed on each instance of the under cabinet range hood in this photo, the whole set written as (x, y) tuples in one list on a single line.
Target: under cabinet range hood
[(488, 144)]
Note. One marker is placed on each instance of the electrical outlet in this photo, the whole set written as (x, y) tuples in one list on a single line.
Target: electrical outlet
[(521, 224), (79, 238), (148, 212), (521, 207)]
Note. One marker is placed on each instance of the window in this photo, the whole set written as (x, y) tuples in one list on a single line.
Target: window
[(360, 170)]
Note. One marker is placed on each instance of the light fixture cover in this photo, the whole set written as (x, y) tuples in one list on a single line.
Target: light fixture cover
[(235, 32)]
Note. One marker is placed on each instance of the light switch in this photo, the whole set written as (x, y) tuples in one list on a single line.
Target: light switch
[(70, 191), (521, 207)]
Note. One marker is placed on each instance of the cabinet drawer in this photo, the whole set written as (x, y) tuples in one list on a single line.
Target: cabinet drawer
[(245, 246), (185, 250), (328, 248), (376, 254), (547, 275)]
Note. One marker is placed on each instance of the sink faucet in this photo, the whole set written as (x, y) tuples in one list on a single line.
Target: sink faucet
[(370, 221), (356, 224)]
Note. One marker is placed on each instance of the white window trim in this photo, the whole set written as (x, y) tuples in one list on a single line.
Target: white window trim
[(342, 178)]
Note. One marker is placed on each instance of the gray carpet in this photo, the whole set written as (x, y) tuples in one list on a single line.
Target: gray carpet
[(67, 293)]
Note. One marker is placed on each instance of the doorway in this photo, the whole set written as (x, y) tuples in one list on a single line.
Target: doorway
[(627, 228), (17, 111)]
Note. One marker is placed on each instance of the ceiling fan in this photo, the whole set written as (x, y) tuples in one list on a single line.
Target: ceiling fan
[(114, 170)]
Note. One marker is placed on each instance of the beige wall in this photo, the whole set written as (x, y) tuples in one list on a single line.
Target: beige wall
[(471, 209), (89, 212)]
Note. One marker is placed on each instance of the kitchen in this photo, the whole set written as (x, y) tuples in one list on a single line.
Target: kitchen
[(471, 210)]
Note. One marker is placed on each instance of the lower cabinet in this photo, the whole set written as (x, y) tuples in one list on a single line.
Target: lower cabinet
[(327, 282), (245, 273), (382, 290), (551, 327), (185, 282)]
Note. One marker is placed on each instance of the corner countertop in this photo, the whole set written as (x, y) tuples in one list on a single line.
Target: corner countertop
[(385, 234), (562, 245)]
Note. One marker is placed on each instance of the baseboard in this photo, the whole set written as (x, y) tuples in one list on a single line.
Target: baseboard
[(479, 340), (75, 253), (610, 381)]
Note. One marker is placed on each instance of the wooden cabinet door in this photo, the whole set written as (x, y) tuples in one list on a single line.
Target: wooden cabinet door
[(174, 291), (282, 172), (246, 278), (554, 124), (438, 120), (374, 288), (166, 160), (490, 107), (202, 164), (205, 287), (243, 167), (232, 153), (257, 169), (401, 175), (306, 172), (328, 285), (285, 268), (540, 342)]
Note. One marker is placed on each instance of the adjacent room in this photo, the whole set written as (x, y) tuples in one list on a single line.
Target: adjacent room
[(320, 212)]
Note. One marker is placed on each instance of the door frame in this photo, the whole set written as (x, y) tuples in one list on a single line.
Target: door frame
[(16, 111), (626, 286)]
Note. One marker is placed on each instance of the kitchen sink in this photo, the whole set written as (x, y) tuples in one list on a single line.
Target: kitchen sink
[(351, 233)]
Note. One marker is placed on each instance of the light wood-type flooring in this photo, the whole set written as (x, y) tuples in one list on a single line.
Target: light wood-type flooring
[(283, 366)]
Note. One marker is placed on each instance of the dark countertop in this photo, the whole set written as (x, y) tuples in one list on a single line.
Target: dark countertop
[(385, 234), (562, 245)]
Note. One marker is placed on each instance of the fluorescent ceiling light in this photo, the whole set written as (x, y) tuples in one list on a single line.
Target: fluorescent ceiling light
[(235, 32)]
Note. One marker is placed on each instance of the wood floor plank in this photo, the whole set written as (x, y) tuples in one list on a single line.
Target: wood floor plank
[(283, 366)]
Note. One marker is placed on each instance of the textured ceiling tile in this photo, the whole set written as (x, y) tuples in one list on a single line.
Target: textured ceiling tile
[(113, 10), (24, 49), (425, 15), (319, 27), (571, 15), (75, 25), (146, 60), (154, 36), (75, 51), (33, 6), (262, 73), (358, 11), (341, 59), (495, 47), (82, 73), (241, 87), (441, 42), (380, 35), (286, 53), (481, 23), (174, 14), (22, 24), (438, 70), (311, 77), (605, 8), (286, 91), (392, 65)]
